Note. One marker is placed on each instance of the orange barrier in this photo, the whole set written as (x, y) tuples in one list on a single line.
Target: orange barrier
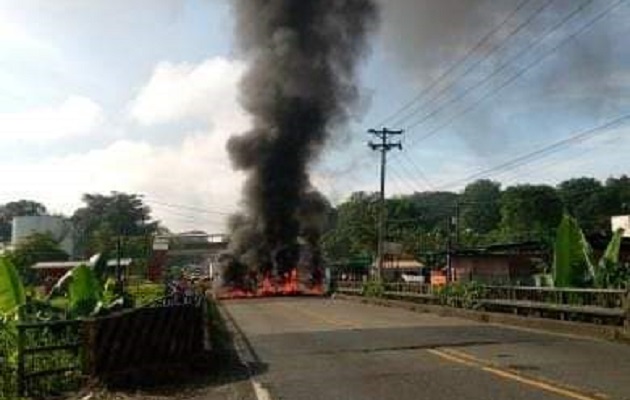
[(438, 278)]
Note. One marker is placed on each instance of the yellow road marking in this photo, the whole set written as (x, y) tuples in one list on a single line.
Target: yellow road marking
[(451, 358), (490, 364), (471, 361)]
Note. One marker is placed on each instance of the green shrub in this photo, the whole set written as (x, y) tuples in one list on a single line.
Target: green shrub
[(373, 288), (461, 295), (146, 293)]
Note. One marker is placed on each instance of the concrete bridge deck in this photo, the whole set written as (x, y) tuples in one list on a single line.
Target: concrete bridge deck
[(313, 348)]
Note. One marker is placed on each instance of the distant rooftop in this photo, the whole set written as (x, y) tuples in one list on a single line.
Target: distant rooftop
[(125, 262)]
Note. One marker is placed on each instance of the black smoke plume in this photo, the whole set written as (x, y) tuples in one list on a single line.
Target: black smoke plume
[(303, 57)]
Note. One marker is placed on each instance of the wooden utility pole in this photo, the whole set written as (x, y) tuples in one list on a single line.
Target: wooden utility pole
[(383, 145)]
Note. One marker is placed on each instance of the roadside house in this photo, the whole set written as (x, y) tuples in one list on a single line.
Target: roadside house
[(512, 263)]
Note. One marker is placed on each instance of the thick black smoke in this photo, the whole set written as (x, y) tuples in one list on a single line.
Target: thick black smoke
[(303, 57)]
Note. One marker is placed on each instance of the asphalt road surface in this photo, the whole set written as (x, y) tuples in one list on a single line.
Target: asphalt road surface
[(312, 348)]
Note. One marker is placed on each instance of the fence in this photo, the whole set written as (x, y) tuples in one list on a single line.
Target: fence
[(50, 358), (8, 370), (167, 330), (586, 305)]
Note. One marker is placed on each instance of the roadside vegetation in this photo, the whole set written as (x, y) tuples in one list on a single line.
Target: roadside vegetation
[(483, 214)]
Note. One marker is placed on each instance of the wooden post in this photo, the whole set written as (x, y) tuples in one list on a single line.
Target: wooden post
[(21, 388), (207, 343), (88, 361), (626, 307)]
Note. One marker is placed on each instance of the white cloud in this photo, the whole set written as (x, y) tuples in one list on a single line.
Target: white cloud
[(74, 117), (15, 37), (197, 172), (182, 91)]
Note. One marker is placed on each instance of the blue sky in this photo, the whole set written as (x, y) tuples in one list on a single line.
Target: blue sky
[(141, 96)]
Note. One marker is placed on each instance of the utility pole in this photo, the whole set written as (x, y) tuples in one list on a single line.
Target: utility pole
[(384, 145), (457, 221)]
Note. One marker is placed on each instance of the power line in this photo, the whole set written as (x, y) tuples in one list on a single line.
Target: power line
[(418, 170), (454, 65), (429, 115), (510, 62), (530, 65), (410, 178), (402, 182), (186, 207), (191, 216), (404, 173), (542, 152), (513, 178)]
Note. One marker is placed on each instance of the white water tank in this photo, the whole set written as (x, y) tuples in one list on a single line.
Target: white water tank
[(60, 228), (621, 222)]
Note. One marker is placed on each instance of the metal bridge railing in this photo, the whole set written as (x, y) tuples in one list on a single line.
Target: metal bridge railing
[(586, 305)]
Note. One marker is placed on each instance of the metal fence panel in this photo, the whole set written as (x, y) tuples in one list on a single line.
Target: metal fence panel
[(49, 358)]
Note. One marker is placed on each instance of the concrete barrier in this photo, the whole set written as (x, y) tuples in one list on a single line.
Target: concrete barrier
[(615, 333)]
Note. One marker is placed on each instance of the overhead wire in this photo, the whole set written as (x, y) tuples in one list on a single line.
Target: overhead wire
[(418, 170), (454, 66), (473, 66), (187, 207), (549, 165), (529, 66), (407, 183), (543, 151), (398, 182)]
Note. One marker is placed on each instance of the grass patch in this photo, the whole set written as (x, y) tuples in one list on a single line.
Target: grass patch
[(145, 292)]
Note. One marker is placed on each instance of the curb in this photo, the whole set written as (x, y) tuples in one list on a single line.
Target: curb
[(247, 356)]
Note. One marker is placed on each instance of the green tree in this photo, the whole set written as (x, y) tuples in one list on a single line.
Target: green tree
[(35, 248), (480, 207), (417, 221), (530, 211), (582, 198), (106, 217), (20, 208), (615, 199), (434, 209), (355, 231)]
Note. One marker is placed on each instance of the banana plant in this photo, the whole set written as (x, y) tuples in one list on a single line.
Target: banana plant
[(12, 294), (87, 296), (574, 264), (573, 257), (607, 272), (85, 293)]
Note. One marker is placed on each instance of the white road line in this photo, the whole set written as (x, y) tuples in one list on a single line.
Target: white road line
[(260, 391), (244, 355)]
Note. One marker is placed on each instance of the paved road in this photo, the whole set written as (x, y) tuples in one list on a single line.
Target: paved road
[(308, 348)]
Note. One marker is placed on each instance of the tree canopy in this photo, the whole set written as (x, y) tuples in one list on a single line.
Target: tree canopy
[(106, 217), (480, 206), (35, 248), (420, 221), (530, 210), (18, 208)]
